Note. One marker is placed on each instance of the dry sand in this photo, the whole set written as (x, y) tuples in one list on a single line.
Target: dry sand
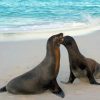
[(17, 57)]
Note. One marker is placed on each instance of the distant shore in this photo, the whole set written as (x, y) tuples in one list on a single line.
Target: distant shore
[(46, 33)]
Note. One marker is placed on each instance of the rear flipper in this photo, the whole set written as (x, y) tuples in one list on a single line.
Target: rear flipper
[(54, 88), (91, 78), (97, 72), (3, 89)]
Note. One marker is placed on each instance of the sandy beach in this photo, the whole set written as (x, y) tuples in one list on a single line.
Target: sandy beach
[(20, 56)]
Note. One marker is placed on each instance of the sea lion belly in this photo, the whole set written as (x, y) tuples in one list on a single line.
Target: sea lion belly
[(79, 72)]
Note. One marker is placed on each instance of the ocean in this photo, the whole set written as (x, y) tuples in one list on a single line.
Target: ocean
[(33, 15)]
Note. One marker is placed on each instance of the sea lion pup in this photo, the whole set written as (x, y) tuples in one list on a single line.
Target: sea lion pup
[(43, 76), (80, 66)]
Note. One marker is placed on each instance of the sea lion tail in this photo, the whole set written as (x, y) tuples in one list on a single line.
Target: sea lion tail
[(3, 89)]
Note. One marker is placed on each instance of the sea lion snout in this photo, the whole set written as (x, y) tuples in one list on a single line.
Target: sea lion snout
[(61, 38), (67, 40), (58, 38)]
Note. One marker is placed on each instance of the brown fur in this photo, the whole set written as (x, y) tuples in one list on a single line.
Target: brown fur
[(57, 60), (43, 76)]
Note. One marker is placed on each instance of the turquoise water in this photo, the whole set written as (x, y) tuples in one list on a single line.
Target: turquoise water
[(47, 14)]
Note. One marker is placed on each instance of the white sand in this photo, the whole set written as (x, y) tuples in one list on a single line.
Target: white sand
[(17, 57)]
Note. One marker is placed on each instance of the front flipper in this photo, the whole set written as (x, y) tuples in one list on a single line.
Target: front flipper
[(54, 88), (71, 78)]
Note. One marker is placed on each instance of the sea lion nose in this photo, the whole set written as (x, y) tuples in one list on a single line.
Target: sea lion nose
[(61, 39)]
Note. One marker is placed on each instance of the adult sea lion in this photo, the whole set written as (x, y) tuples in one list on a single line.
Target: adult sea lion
[(43, 76), (80, 66)]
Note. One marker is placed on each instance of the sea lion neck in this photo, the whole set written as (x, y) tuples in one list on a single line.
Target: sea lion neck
[(51, 49), (73, 50), (53, 58)]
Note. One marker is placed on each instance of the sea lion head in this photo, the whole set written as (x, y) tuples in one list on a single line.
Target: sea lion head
[(56, 40), (69, 41)]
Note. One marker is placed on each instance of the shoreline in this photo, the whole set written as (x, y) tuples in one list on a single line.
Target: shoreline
[(44, 34)]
